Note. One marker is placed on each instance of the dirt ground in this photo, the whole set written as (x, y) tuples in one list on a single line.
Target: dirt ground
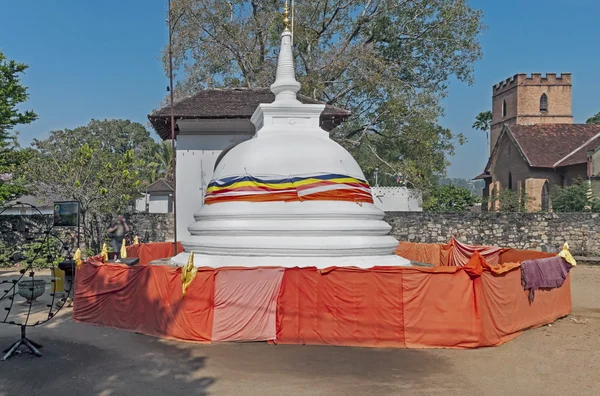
[(561, 359)]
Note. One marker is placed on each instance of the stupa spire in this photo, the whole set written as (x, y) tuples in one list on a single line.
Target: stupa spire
[(285, 86)]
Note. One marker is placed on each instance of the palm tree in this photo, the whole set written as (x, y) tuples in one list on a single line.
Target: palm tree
[(162, 164), (483, 122)]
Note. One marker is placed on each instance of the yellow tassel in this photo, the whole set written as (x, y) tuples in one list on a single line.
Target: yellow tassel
[(104, 253), (123, 250), (77, 258), (188, 273), (566, 255), (136, 241)]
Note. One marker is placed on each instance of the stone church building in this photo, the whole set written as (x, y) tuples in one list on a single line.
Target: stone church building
[(534, 143)]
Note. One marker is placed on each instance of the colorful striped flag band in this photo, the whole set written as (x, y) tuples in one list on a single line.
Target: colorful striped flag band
[(324, 187)]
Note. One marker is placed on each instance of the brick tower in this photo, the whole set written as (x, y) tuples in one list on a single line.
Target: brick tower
[(534, 99)]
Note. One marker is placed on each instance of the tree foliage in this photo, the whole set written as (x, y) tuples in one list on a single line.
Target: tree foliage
[(449, 198), (101, 165), (483, 122), (595, 119), (574, 198), (161, 165), (388, 61), (12, 93)]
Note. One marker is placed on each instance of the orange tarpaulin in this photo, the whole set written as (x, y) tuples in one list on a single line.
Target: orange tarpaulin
[(431, 253), (342, 307), (416, 307), (506, 311), (518, 256), (145, 299), (148, 252), (245, 304)]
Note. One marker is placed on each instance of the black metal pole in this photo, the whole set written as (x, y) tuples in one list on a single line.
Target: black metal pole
[(173, 159)]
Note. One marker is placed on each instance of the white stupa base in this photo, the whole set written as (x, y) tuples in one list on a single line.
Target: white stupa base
[(213, 261)]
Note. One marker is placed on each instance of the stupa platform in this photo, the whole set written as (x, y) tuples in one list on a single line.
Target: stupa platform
[(445, 306)]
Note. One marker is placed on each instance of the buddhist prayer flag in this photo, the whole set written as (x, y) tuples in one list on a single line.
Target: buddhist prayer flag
[(323, 187)]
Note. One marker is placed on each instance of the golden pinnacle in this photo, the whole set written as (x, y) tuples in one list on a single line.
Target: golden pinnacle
[(286, 17)]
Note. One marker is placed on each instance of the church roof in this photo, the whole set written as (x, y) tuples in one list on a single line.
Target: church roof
[(548, 145), (551, 145), (230, 103)]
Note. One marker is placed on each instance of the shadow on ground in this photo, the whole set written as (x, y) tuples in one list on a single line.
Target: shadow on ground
[(115, 367)]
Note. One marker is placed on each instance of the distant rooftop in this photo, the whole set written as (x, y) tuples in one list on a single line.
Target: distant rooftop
[(232, 103)]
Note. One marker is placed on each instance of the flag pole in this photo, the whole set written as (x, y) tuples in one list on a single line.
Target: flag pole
[(173, 153)]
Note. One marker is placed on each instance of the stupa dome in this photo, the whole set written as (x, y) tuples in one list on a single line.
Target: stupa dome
[(290, 196)]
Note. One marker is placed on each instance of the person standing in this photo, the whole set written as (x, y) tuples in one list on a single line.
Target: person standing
[(117, 232)]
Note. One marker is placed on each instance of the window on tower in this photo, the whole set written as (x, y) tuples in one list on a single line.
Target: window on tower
[(544, 103), (504, 108)]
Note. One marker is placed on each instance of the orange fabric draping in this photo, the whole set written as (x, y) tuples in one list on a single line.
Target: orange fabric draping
[(133, 250), (431, 253), (478, 304), (461, 253), (518, 256), (441, 307), (506, 311), (148, 252), (145, 299), (245, 304), (341, 307), (440, 310)]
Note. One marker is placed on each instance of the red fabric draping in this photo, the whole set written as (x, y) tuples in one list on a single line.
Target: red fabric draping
[(245, 304), (148, 252), (145, 299)]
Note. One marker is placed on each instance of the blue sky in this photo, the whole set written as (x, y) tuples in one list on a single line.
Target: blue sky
[(100, 59)]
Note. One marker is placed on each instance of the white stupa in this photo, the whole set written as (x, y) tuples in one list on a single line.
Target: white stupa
[(290, 196)]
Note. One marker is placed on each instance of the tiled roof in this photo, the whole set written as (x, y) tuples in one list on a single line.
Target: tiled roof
[(161, 185), (580, 155), (555, 145), (231, 103)]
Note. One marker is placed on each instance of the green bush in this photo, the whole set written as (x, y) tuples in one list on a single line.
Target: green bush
[(449, 199), (574, 198)]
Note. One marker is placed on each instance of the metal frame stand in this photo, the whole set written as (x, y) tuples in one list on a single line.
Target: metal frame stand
[(31, 345)]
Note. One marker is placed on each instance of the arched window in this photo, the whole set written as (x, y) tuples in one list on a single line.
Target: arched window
[(545, 197), (510, 186), (544, 103), (504, 108)]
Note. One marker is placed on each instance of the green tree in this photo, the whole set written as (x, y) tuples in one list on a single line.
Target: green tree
[(449, 199), (12, 93), (388, 62), (574, 198), (595, 119), (101, 165), (162, 162), (483, 122)]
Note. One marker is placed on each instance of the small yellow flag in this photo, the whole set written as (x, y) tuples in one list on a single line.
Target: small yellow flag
[(188, 273), (77, 258), (136, 241), (123, 250), (104, 253)]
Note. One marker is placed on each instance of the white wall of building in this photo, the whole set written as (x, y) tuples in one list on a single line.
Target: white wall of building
[(28, 211), (140, 203), (397, 199), (160, 203), (196, 157)]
